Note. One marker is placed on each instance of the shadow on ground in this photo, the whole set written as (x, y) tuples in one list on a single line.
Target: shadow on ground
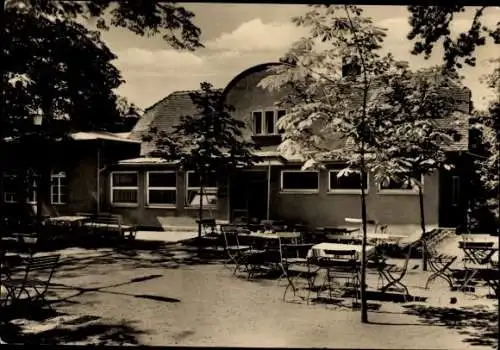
[(478, 323), (45, 327)]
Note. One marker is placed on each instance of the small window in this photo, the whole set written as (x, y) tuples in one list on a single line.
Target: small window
[(257, 123), (193, 198), (347, 182), (269, 120), (18, 185), (162, 188), (281, 114), (58, 188), (124, 187), (296, 180)]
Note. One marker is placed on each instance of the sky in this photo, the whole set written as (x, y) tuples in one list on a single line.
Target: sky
[(239, 36)]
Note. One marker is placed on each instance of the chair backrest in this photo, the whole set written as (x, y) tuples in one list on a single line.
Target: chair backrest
[(230, 233)]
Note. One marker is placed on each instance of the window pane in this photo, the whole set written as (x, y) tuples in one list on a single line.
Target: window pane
[(54, 198), (257, 122), (162, 196), (396, 185), (193, 198), (64, 197), (166, 179), (270, 122), (125, 179), (125, 196), (304, 180), (350, 181), (281, 113), (193, 179)]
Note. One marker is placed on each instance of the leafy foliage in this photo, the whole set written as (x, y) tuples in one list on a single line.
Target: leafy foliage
[(209, 141), (145, 18), (431, 23)]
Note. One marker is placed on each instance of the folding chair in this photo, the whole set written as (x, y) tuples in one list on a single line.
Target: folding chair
[(294, 264), (439, 264), (38, 273), (236, 253)]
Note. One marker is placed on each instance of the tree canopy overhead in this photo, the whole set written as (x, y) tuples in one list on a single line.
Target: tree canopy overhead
[(429, 24), (144, 18)]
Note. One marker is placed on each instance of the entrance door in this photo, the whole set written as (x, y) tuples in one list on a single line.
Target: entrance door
[(249, 195), (257, 195), (451, 200)]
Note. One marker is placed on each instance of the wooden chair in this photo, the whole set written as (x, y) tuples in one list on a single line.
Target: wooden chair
[(34, 283)]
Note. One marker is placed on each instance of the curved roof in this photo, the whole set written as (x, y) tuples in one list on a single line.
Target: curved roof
[(258, 68)]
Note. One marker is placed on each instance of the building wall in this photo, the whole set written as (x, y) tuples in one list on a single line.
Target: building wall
[(330, 209)]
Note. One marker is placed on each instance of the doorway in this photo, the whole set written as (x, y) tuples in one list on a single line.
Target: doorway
[(248, 195)]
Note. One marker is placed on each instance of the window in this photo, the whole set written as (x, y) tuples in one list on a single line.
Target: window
[(455, 190), (347, 183), (15, 186), (193, 190), (399, 186), (299, 181), (10, 185), (58, 188), (161, 188), (124, 187), (265, 122)]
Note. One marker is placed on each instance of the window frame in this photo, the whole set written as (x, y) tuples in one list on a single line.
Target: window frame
[(206, 190), (346, 190), (59, 175), (263, 124), (32, 196), (401, 191), (161, 188), (112, 188), (299, 190)]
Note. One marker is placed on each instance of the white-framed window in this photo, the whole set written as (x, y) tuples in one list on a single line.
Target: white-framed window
[(299, 181), (396, 186), (124, 188), (265, 121), (58, 188), (161, 188), (193, 198), (348, 183)]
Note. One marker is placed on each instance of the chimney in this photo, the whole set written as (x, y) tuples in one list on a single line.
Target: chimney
[(350, 67)]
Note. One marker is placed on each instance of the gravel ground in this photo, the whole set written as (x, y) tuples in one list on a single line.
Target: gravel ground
[(169, 298)]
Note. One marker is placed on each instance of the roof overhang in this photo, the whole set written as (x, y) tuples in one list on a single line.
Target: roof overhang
[(146, 161)]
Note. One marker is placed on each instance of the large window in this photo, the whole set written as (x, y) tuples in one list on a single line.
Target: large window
[(193, 198), (399, 186), (161, 188), (265, 122), (299, 181), (348, 182), (124, 187), (58, 188)]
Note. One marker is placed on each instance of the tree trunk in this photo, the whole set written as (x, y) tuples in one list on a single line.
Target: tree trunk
[(364, 304), (200, 209), (422, 227)]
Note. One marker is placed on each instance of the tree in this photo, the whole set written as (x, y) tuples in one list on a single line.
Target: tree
[(412, 109), (144, 18), (429, 24), (329, 117), (210, 142)]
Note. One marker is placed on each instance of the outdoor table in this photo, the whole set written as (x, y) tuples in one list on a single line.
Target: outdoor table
[(321, 249), (478, 255), (67, 219)]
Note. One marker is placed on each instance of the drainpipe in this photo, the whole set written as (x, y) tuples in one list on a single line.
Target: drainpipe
[(268, 189), (98, 195)]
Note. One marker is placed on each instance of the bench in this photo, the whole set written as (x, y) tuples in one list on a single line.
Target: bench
[(104, 224), (31, 278)]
